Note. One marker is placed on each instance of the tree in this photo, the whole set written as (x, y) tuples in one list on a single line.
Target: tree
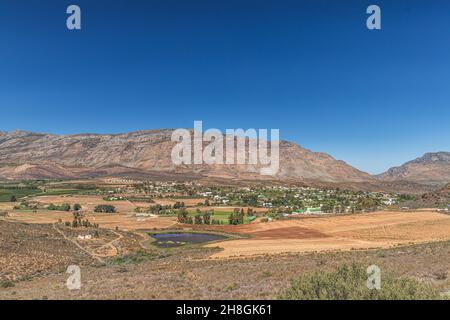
[(237, 217), (183, 215), (178, 205), (327, 208), (198, 219), (207, 218), (13, 198)]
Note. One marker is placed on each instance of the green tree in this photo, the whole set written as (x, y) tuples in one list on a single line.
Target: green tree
[(237, 217), (183, 215), (207, 218), (198, 219)]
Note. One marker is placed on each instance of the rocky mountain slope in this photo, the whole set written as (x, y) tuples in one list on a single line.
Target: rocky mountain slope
[(28, 155), (431, 168)]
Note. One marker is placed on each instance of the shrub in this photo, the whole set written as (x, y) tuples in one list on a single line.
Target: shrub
[(349, 283), (65, 207), (76, 207), (105, 208), (6, 284), (138, 257)]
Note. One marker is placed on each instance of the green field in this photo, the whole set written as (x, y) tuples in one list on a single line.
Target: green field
[(7, 191), (5, 194)]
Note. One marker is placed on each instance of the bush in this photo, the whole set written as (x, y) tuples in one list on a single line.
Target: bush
[(76, 207), (138, 257), (349, 283), (65, 207), (6, 284), (105, 208)]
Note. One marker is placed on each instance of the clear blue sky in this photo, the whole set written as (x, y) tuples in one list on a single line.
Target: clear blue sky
[(310, 68)]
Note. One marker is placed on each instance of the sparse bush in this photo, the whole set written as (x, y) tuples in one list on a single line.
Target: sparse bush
[(6, 284), (138, 257), (349, 283)]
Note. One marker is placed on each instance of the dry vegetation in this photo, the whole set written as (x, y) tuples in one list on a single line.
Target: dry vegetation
[(188, 274), (28, 250), (119, 263)]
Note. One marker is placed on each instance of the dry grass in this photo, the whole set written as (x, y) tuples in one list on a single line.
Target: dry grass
[(189, 274)]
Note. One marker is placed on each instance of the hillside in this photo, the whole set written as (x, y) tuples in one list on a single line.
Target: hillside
[(431, 168), (29, 155)]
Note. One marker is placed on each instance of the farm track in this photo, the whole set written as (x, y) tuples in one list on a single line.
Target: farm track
[(93, 255)]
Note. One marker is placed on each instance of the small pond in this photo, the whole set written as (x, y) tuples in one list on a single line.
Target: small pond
[(176, 239)]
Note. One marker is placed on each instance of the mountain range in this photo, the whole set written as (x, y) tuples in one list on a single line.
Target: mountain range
[(29, 155)]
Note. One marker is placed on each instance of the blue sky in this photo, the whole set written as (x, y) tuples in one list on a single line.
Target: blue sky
[(310, 68)]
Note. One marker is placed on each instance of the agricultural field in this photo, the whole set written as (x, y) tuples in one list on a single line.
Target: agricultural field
[(7, 193), (117, 250), (350, 232)]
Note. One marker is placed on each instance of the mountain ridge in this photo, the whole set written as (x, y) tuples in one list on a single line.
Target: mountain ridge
[(431, 168), (25, 154), (34, 155)]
